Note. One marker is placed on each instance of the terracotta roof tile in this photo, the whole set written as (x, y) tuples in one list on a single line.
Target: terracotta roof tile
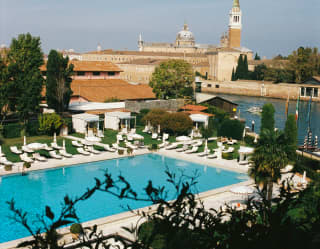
[(198, 108), (100, 90), (91, 66)]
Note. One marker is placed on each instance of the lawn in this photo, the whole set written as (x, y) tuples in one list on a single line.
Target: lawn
[(36, 139)]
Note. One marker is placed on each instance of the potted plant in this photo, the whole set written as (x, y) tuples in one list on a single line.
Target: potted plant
[(120, 152), (129, 151), (76, 230), (153, 147), (8, 167)]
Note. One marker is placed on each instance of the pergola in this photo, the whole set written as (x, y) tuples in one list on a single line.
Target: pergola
[(83, 122), (118, 120)]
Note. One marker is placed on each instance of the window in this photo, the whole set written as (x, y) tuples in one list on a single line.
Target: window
[(316, 93), (80, 73), (209, 85), (217, 86), (96, 73), (111, 73), (302, 91), (309, 91)]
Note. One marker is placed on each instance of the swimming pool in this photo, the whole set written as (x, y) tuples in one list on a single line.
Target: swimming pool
[(48, 187)]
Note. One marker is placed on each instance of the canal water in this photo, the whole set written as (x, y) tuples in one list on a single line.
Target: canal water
[(245, 102)]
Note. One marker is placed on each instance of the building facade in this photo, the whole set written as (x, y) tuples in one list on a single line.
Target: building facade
[(216, 62)]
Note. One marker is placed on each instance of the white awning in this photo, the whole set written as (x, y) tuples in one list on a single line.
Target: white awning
[(199, 118), (86, 117), (120, 115)]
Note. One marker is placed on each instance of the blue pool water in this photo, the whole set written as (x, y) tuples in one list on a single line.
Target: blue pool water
[(38, 189)]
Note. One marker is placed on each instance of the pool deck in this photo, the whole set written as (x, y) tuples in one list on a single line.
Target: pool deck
[(112, 224)]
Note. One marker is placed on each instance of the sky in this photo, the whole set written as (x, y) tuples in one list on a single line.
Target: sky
[(269, 27)]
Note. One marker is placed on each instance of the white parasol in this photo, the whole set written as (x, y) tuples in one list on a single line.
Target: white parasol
[(192, 134), (64, 144), (24, 140), (242, 190), (206, 145), (183, 138), (244, 133), (55, 138), (36, 146), (1, 151), (159, 130)]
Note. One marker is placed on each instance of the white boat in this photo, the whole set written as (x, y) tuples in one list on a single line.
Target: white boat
[(255, 110)]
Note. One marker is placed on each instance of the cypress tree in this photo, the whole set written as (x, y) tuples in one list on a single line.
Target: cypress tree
[(245, 68), (267, 117), (233, 76), (238, 73), (257, 57)]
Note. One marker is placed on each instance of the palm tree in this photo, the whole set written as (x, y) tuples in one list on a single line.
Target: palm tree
[(268, 159)]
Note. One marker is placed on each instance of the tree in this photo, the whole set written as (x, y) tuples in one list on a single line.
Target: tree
[(257, 57), (58, 82), (259, 72), (291, 135), (267, 117), (268, 159), (25, 58), (239, 67), (242, 70), (231, 129), (4, 81), (233, 76), (304, 62), (172, 79)]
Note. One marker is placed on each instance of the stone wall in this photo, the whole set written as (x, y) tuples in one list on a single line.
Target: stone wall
[(257, 88), (170, 105)]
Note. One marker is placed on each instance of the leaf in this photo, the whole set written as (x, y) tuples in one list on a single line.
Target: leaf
[(49, 213)]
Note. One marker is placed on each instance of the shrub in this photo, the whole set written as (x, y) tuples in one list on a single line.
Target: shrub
[(76, 228), (140, 116), (8, 167), (231, 129), (177, 123), (227, 156), (249, 140), (33, 128), (12, 130), (120, 152), (49, 123), (26, 165), (153, 147), (155, 117), (129, 151), (68, 122)]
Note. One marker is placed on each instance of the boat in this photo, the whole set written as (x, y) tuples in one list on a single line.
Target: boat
[(255, 110)]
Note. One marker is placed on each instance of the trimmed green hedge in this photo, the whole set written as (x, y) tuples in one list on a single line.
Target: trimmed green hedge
[(12, 130), (231, 129)]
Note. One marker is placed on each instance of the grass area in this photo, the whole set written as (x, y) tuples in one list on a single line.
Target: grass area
[(36, 139)]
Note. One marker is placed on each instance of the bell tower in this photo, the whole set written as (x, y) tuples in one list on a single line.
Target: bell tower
[(235, 25)]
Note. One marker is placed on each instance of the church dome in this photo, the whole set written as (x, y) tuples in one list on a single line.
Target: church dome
[(185, 34)]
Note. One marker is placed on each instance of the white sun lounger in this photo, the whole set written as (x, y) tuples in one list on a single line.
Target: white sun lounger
[(163, 145), (24, 157), (26, 149), (131, 146), (54, 155), (83, 152), (172, 146), (117, 147), (15, 150), (5, 161), (64, 153), (108, 148), (146, 129), (56, 146), (183, 148), (129, 138), (38, 157), (194, 149), (154, 135), (119, 137), (47, 148), (76, 143), (212, 156), (205, 153), (92, 150), (229, 150)]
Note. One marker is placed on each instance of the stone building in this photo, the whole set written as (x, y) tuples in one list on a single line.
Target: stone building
[(214, 61)]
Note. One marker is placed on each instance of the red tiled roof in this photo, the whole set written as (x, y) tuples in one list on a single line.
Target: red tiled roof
[(198, 108), (100, 90)]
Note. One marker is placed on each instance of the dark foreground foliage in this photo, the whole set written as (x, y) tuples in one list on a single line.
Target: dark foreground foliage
[(290, 221)]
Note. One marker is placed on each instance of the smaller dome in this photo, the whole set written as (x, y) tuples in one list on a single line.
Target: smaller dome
[(185, 34)]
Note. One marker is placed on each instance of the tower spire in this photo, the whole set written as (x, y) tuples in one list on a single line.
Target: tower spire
[(236, 4)]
